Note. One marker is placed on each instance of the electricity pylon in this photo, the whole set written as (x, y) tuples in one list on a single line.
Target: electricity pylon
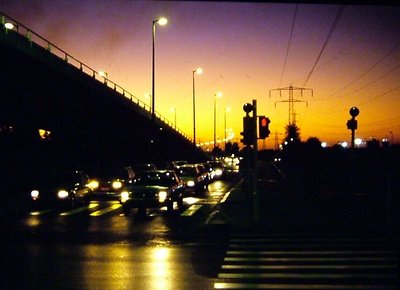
[(291, 100)]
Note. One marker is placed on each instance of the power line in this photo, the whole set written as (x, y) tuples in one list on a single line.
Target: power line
[(382, 122), (289, 43), (335, 22), (382, 95), (369, 69)]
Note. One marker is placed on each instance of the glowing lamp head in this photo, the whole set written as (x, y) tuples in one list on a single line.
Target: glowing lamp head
[(162, 21), (35, 194), (9, 25)]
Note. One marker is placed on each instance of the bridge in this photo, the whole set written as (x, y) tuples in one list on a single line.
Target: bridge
[(57, 109)]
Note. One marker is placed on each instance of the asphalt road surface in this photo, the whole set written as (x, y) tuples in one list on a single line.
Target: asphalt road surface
[(98, 247)]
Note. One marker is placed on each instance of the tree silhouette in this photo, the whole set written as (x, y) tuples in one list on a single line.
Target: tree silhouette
[(292, 134)]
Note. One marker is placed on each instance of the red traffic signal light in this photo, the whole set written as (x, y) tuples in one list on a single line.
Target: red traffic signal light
[(263, 127)]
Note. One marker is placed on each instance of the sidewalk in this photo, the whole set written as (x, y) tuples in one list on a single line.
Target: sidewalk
[(295, 212)]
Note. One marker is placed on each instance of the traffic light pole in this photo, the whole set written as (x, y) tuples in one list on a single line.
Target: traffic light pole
[(250, 138), (255, 165), (352, 123)]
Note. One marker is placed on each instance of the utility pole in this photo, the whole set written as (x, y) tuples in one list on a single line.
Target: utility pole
[(256, 198), (291, 100), (352, 123), (250, 141)]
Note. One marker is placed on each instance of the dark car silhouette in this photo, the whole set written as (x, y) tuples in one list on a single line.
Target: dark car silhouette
[(60, 189), (153, 189)]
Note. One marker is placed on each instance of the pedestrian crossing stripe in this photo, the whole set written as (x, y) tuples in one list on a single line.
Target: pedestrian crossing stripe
[(308, 266), (40, 212), (301, 286), (106, 210), (308, 259), (305, 276), (307, 262), (300, 238), (309, 253), (79, 209), (300, 245), (191, 210)]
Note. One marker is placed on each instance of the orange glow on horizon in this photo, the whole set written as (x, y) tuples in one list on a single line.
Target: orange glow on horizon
[(242, 47)]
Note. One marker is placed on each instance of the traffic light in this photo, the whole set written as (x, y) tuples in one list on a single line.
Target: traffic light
[(248, 131), (352, 124), (263, 127)]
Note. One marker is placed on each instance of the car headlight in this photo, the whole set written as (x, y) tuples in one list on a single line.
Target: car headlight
[(35, 194), (117, 184), (190, 183), (93, 184), (62, 194), (218, 172), (124, 196), (162, 196)]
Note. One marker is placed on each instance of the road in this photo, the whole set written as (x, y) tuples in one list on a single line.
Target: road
[(98, 247)]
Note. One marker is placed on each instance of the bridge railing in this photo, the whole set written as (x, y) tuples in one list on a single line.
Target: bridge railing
[(11, 24)]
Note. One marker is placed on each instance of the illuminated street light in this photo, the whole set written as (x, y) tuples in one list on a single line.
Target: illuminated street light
[(162, 22), (9, 25), (216, 95), (196, 71)]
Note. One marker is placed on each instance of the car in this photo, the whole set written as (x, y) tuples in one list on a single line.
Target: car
[(140, 167), (153, 189), (210, 173), (195, 178), (217, 169), (107, 182), (60, 189), (178, 163)]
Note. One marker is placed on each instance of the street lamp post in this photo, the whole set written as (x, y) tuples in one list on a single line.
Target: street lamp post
[(227, 109), (196, 71), (218, 94), (162, 22)]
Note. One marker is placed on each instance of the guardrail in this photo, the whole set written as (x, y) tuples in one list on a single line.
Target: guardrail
[(11, 24)]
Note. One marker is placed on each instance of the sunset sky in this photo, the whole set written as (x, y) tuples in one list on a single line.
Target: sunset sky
[(348, 55)]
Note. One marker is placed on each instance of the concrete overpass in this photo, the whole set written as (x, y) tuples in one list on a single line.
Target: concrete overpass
[(89, 119)]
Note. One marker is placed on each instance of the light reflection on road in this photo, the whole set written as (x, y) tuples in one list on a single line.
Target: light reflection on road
[(124, 266), (160, 268)]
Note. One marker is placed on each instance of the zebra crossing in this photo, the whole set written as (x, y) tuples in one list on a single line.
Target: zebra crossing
[(93, 209), (260, 262), (98, 209)]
